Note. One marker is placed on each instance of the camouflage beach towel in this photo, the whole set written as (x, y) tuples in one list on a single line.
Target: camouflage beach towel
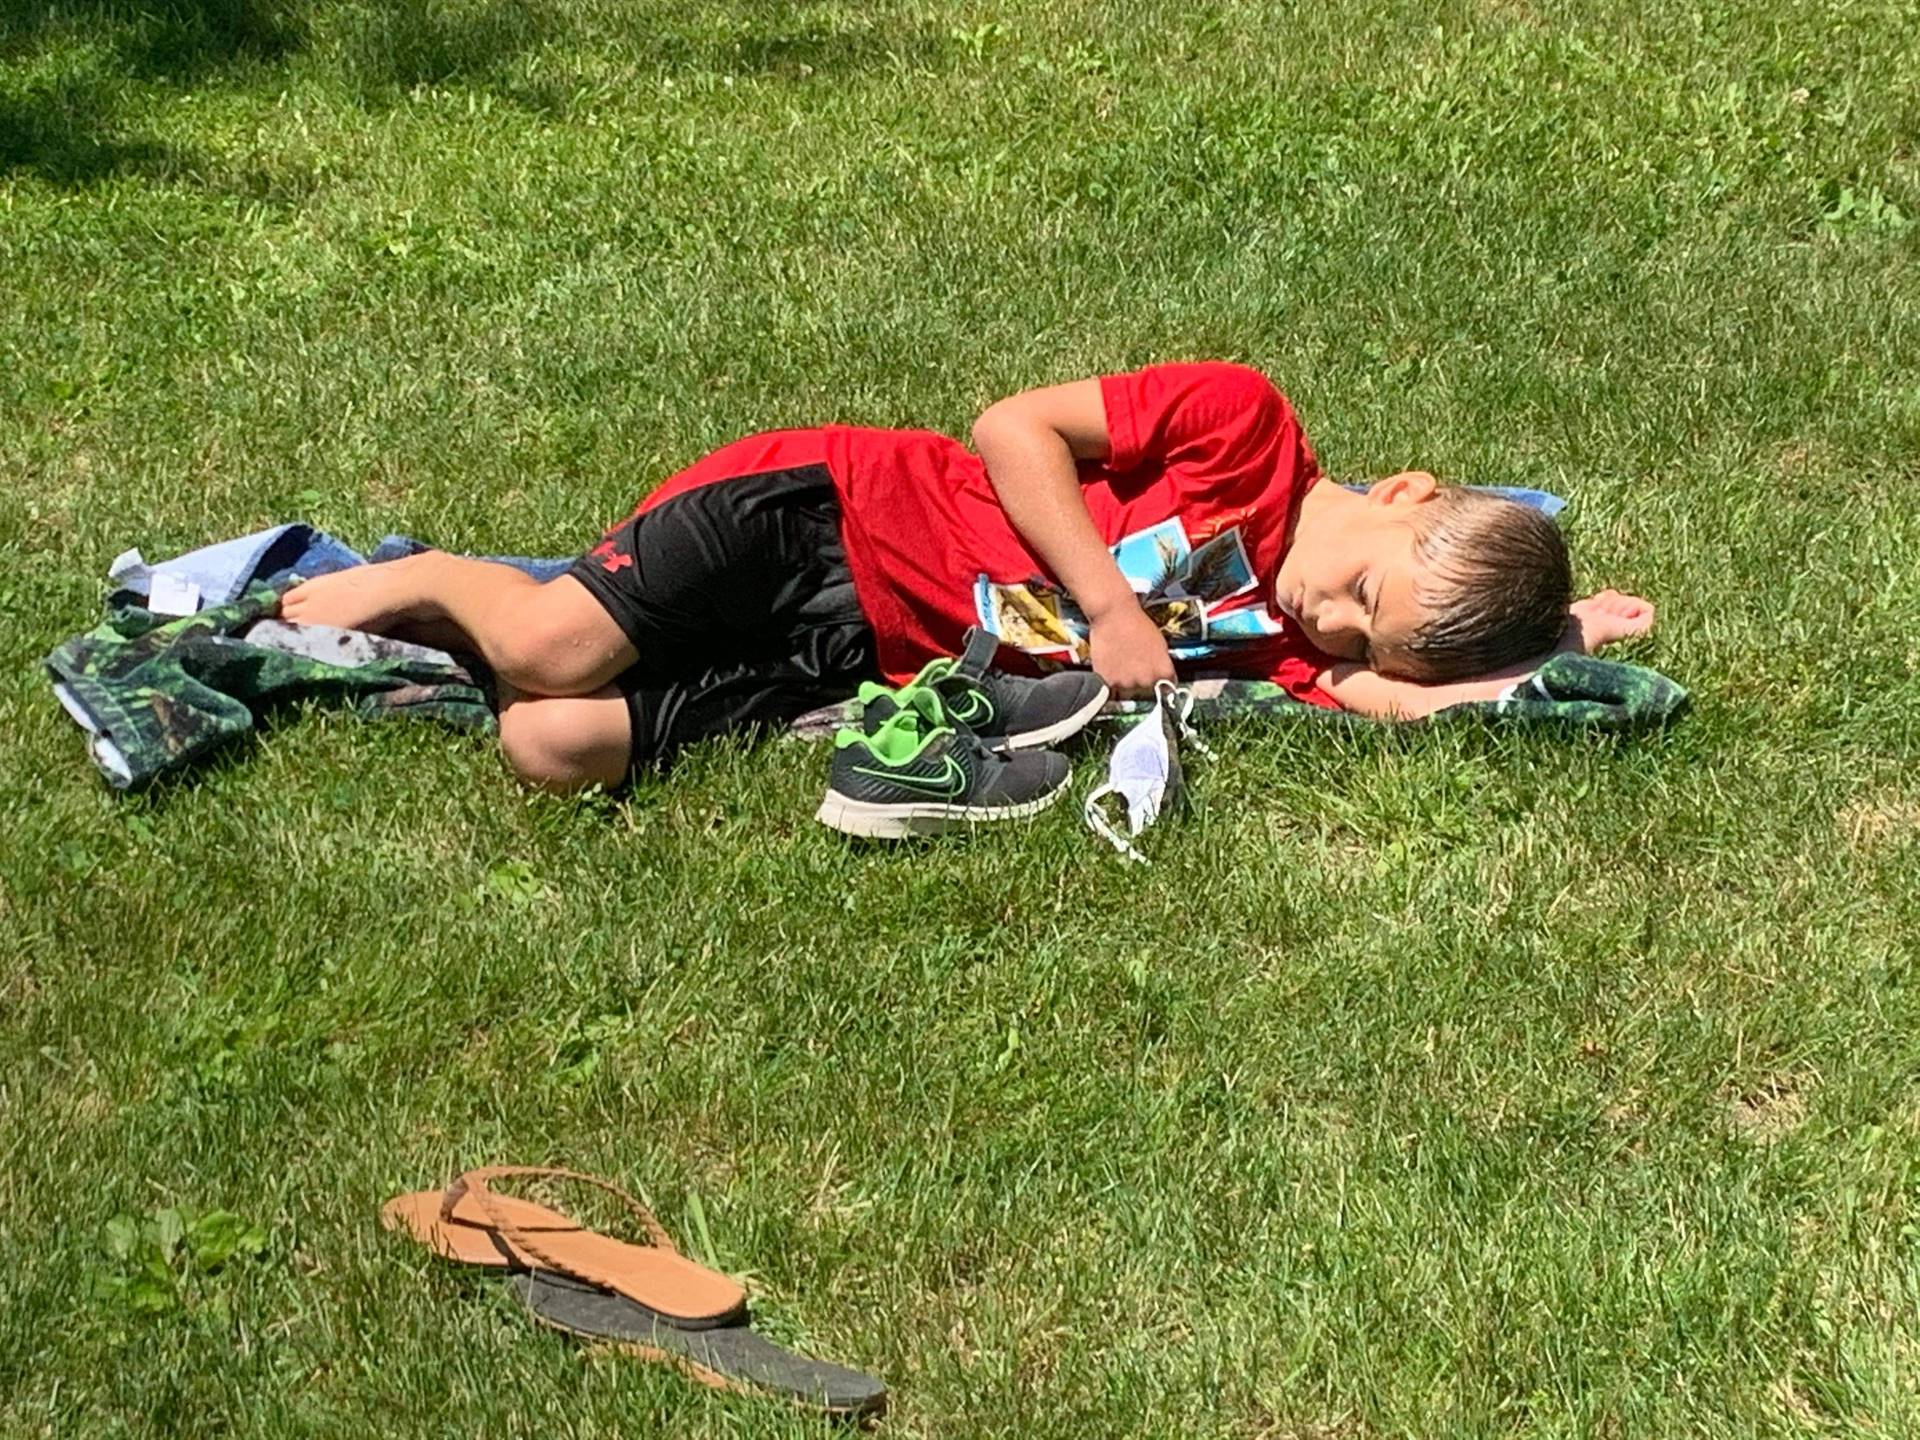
[(156, 694)]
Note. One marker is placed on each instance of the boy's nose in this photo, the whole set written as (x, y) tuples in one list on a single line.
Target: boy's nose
[(1340, 619), (1340, 626)]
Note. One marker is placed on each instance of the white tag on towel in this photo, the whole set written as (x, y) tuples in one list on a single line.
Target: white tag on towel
[(170, 595)]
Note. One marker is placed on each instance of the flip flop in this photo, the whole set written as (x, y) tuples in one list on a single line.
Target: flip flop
[(728, 1357), (469, 1223)]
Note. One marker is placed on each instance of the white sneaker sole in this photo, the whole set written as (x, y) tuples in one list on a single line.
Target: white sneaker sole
[(873, 821), (1060, 729)]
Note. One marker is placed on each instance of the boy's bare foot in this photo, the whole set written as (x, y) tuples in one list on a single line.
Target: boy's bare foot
[(1609, 616), (367, 597)]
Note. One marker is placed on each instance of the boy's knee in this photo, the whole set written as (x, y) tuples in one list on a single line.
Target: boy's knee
[(557, 746)]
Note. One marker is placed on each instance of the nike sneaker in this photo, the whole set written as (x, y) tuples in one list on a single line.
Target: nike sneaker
[(1012, 712), (913, 771)]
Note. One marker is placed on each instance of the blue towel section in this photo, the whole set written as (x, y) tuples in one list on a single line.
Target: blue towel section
[(223, 571), (1547, 503)]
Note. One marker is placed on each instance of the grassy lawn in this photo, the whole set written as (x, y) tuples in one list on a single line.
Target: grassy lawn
[(1449, 1083)]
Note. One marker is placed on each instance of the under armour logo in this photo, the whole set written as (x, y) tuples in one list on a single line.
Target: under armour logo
[(609, 560)]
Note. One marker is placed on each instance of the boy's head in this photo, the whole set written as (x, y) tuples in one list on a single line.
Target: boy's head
[(1425, 581)]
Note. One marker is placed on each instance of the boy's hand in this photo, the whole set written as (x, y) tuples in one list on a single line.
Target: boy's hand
[(1604, 618), (1127, 650)]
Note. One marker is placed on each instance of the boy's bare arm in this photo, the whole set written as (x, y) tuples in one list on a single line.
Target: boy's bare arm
[(1591, 623), (1029, 443)]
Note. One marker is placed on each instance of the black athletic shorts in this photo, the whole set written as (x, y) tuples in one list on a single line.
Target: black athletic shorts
[(737, 596)]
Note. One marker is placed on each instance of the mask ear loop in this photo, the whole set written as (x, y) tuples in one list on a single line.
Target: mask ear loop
[(1096, 819), (1179, 702)]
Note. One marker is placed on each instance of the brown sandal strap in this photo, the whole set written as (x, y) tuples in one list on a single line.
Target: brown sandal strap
[(477, 1184), (419, 1215)]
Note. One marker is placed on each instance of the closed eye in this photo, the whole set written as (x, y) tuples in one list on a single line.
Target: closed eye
[(1369, 602)]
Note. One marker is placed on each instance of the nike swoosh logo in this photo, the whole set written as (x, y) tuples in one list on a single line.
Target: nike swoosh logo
[(950, 781)]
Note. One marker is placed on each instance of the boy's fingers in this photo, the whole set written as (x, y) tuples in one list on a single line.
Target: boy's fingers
[(1631, 606)]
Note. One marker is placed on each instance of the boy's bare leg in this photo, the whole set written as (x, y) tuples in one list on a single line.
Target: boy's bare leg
[(566, 743), (551, 639)]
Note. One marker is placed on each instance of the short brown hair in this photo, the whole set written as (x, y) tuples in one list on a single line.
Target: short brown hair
[(1497, 586)]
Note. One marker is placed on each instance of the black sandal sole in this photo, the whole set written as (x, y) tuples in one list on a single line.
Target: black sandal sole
[(727, 1357)]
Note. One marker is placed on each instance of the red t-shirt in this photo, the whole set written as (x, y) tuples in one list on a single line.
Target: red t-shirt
[(1211, 447)]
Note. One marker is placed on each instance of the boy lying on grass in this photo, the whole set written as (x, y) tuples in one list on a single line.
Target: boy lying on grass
[(781, 571)]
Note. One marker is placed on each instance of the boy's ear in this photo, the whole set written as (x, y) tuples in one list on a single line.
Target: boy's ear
[(1409, 487)]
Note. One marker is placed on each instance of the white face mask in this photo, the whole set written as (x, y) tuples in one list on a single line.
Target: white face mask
[(1144, 769)]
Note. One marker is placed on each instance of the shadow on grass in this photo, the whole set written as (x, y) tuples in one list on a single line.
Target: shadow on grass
[(68, 66), (170, 40), (74, 61), (61, 133), (63, 127)]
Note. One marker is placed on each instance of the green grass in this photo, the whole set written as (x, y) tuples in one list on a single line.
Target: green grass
[(1448, 1083)]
